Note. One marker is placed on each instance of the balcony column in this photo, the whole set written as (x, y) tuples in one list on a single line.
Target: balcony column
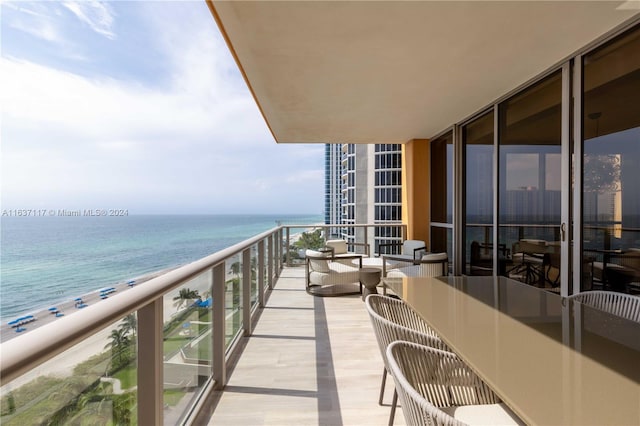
[(246, 291), (219, 326), (271, 261), (150, 364), (416, 213), (261, 274)]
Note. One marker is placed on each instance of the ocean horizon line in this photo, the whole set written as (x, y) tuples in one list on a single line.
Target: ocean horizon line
[(8, 212)]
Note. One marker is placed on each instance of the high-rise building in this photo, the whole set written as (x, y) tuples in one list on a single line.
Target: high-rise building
[(370, 180), (333, 186)]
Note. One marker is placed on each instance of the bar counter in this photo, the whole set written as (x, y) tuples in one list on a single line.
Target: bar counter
[(553, 362)]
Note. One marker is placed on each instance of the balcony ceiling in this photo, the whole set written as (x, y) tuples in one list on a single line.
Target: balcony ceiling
[(389, 72)]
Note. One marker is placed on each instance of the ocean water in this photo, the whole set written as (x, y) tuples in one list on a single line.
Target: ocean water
[(45, 260)]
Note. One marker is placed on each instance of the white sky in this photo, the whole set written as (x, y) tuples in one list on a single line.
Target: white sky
[(139, 106)]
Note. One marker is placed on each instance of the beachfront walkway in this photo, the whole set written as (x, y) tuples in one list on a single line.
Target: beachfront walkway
[(310, 361)]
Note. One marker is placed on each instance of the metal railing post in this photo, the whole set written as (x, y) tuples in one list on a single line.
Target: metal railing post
[(150, 364), (366, 238), (219, 326), (278, 252), (260, 273), (288, 242), (271, 261), (246, 291)]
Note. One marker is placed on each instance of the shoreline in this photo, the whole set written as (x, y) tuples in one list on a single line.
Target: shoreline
[(68, 307), (62, 365)]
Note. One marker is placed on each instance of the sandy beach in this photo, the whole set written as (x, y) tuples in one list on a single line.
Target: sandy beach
[(68, 307)]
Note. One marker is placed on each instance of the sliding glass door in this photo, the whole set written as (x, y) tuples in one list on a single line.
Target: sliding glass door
[(547, 180), (529, 184)]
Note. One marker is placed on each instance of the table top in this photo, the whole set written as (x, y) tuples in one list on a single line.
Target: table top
[(551, 361)]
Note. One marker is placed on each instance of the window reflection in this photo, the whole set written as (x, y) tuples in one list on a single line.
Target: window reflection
[(529, 183), (611, 165), (478, 227), (441, 160)]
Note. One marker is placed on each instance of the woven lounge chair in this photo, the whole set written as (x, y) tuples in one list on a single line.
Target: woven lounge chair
[(436, 388), (620, 304), (392, 320), (328, 276), (429, 265), (409, 249)]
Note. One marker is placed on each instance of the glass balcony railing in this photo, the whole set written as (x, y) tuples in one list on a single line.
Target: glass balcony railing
[(149, 354)]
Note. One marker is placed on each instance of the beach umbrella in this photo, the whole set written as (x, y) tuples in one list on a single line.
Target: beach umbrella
[(13, 323), (78, 299), (53, 308)]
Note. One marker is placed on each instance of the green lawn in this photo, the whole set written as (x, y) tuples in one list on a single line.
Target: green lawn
[(128, 376), (173, 396)]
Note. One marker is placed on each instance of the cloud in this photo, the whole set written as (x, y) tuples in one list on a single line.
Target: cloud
[(197, 144), (97, 15), (29, 18)]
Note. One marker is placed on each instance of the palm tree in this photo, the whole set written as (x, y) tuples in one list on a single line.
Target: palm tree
[(184, 297), (310, 240), (119, 345), (123, 406), (129, 324), (235, 268)]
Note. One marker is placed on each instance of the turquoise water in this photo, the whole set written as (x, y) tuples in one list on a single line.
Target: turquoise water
[(44, 260)]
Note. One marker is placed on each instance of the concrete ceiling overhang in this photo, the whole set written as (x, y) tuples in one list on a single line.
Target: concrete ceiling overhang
[(392, 71)]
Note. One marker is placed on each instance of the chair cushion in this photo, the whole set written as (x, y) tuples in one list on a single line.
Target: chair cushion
[(486, 414), (435, 256), (318, 265), (339, 246), (338, 274), (534, 241), (410, 245), (420, 270)]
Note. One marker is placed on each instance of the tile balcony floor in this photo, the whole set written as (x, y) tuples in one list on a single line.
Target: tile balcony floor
[(310, 361)]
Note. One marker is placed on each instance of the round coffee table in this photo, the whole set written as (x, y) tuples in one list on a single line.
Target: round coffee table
[(369, 278)]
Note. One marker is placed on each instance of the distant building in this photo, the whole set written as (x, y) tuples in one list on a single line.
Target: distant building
[(370, 190), (333, 186)]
